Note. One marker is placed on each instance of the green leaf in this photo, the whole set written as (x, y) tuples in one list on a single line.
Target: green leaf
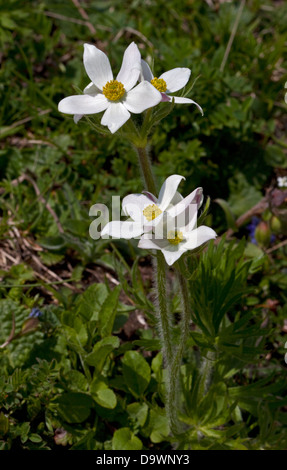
[(4, 424), (157, 426), (106, 398), (136, 372), (55, 243), (74, 407), (148, 344), (76, 381), (91, 301), (137, 413), (35, 438), (124, 439), (100, 352), (108, 312), (230, 219)]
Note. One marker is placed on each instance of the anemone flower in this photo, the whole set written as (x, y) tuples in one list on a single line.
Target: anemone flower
[(146, 212), (119, 97), (169, 82), (178, 240)]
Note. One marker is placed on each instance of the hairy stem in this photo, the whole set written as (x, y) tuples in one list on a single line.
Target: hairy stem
[(206, 372), (146, 170), (164, 317), (165, 332), (177, 358), (185, 325)]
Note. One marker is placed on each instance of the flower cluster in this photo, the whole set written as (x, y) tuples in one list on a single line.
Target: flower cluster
[(120, 97), (167, 223)]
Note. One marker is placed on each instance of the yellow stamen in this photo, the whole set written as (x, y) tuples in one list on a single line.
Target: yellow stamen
[(114, 90), (159, 84), (174, 237), (151, 212)]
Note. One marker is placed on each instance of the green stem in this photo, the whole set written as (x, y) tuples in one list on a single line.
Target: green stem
[(185, 322), (146, 169), (177, 358), (206, 371), (164, 318), (165, 331)]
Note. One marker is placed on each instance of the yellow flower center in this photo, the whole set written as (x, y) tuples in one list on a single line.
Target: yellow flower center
[(159, 84), (113, 90), (151, 212), (174, 237)]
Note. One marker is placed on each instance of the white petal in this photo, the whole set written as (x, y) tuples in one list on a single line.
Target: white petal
[(150, 196), (97, 66), (91, 89), (182, 100), (197, 237), (192, 199), (131, 67), (146, 73), (176, 198), (142, 97), (115, 116), (168, 190), (134, 204), (172, 256), (125, 229), (184, 221), (83, 104), (176, 79), (148, 243), (77, 117)]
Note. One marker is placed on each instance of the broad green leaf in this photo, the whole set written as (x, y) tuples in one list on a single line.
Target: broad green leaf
[(77, 335), (74, 407), (100, 352), (92, 300), (157, 426), (136, 372), (76, 381), (106, 398), (137, 413), (124, 439)]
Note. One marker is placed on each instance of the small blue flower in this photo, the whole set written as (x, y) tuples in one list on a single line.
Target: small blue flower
[(252, 227), (35, 313)]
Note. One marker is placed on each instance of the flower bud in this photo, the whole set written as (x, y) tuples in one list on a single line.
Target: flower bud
[(263, 234), (275, 224)]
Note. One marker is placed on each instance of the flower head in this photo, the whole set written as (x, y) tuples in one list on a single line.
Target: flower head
[(146, 212), (177, 237), (169, 82), (117, 97)]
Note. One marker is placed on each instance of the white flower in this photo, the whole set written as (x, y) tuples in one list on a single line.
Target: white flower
[(169, 82), (146, 212), (119, 97), (282, 181), (178, 238)]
